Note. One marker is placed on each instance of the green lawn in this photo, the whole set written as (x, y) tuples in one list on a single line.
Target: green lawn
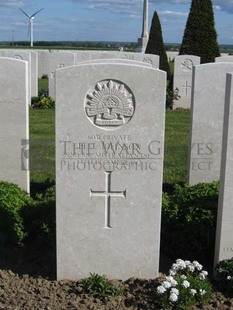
[(176, 146), (42, 84), (42, 145)]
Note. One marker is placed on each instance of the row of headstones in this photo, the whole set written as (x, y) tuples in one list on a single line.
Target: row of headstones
[(65, 59), (183, 66), (183, 70), (46, 62), (109, 158)]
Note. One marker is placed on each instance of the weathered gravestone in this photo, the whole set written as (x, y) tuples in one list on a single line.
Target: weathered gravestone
[(122, 61), (224, 234), (208, 100), (32, 59), (58, 60), (14, 120), (43, 63), (34, 73), (183, 67), (226, 58), (153, 60), (110, 137)]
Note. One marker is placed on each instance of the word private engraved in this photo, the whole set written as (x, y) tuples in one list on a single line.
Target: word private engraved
[(110, 104)]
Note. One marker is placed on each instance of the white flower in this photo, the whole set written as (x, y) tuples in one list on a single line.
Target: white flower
[(202, 292), (166, 284), (193, 292), (171, 280), (229, 278), (186, 284), (173, 297), (172, 272), (183, 277), (203, 275), (181, 263), (197, 265), (191, 268), (174, 291), (220, 270), (161, 289), (187, 262)]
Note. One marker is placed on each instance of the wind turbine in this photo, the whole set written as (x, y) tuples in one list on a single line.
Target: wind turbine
[(31, 23)]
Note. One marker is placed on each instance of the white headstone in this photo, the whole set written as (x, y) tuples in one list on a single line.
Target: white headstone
[(110, 137), (122, 61), (34, 73), (58, 60), (145, 58), (32, 60), (171, 55), (224, 233), (226, 58), (14, 122), (208, 100), (43, 63), (183, 67)]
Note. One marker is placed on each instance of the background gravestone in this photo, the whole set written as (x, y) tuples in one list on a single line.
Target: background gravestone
[(92, 55), (34, 73), (224, 240), (228, 58), (122, 61), (183, 67), (58, 60), (43, 63), (32, 60), (110, 137), (208, 101), (14, 120)]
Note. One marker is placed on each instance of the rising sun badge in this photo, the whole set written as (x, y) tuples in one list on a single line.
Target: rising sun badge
[(110, 104)]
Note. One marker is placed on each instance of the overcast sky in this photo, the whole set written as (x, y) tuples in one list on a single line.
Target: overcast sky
[(104, 20)]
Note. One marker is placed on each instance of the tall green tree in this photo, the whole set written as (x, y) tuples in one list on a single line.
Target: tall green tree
[(155, 44), (200, 36)]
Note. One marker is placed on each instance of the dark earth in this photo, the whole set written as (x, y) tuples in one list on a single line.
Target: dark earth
[(27, 283)]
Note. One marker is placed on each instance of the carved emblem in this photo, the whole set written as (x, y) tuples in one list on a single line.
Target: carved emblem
[(187, 65), (110, 104), (18, 57), (148, 60)]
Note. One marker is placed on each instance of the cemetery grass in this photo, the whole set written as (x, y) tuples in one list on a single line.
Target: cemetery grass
[(42, 147), (42, 84)]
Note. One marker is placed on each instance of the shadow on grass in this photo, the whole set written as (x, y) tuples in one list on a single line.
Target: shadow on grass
[(40, 187), (34, 260)]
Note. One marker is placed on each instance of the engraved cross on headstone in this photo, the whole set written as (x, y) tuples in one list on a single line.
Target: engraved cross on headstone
[(186, 86), (107, 194)]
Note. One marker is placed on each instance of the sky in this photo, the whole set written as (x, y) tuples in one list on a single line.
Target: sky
[(104, 20)]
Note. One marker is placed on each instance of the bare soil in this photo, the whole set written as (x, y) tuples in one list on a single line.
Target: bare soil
[(27, 283)]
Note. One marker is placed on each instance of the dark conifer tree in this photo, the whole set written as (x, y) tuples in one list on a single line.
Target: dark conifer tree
[(155, 44), (200, 37)]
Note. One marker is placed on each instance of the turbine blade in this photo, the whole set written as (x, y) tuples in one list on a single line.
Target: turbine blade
[(24, 13), (37, 12)]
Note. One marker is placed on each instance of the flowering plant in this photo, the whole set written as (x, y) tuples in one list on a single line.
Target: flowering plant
[(224, 276), (186, 286)]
